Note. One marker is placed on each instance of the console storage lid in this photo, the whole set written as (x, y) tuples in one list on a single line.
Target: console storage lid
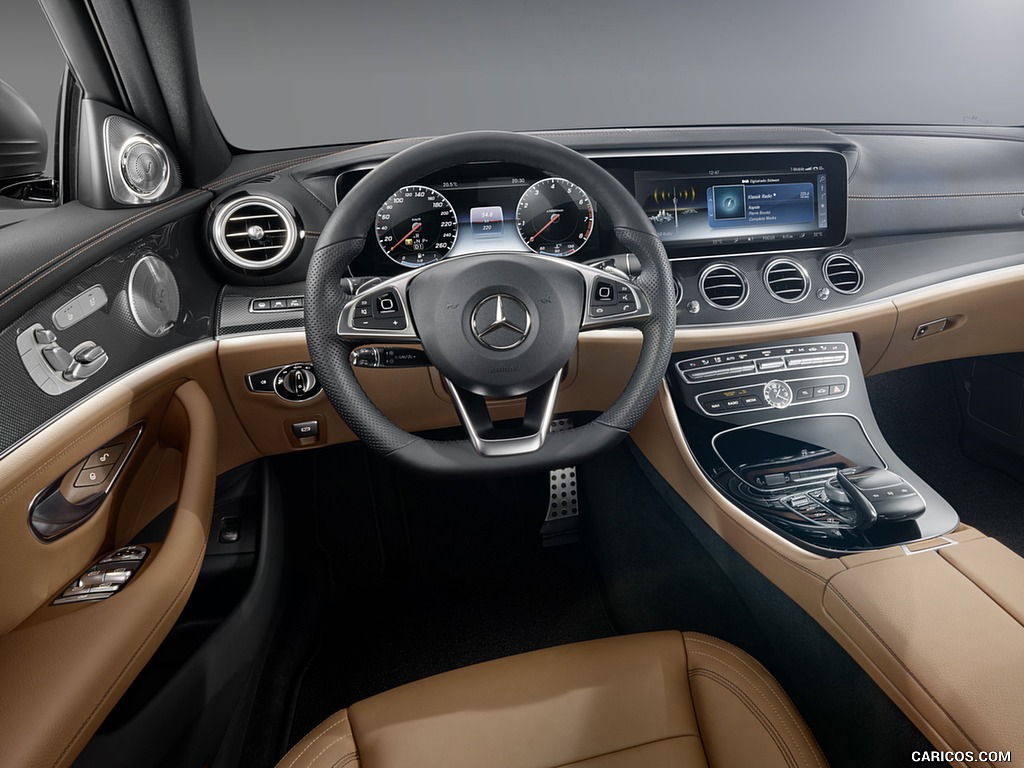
[(943, 633)]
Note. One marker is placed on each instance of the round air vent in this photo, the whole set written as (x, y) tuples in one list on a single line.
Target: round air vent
[(843, 273), (787, 281), (723, 286), (254, 232)]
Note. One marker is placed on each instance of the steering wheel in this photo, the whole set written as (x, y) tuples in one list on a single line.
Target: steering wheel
[(494, 324)]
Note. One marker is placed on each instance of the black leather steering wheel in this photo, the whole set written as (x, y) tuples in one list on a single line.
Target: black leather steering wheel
[(493, 324)]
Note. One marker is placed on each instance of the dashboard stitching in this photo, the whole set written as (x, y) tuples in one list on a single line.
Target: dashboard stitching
[(106, 234), (895, 656), (942, 196)]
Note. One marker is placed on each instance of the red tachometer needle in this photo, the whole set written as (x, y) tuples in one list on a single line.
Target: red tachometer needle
[(415, 228), (554, 218)]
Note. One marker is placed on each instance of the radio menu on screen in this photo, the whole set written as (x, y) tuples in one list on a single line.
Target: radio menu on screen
[(743, 202)]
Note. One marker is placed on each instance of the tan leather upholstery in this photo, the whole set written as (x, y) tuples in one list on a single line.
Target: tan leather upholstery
[(658, 699)]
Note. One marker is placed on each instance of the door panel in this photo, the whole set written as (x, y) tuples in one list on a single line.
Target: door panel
[(72, 662)]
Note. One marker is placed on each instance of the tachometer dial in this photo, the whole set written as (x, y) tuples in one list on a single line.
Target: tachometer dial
[(555, 217), (416, 226)]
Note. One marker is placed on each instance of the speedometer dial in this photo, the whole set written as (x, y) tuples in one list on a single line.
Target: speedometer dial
[(555, 217), (416, 226)]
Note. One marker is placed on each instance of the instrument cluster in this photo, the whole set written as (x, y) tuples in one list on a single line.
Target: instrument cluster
[(483, 209)]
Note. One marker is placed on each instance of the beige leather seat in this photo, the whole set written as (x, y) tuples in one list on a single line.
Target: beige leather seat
[(651, 700)]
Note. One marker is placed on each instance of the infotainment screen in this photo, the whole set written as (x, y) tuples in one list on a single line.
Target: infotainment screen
[(744, 201)]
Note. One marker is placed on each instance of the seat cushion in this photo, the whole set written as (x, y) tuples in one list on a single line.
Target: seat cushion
[(656, 699)]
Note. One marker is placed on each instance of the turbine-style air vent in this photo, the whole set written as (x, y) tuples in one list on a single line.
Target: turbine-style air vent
[(723, 286), (254, 232), (843, 273), (786, 281)]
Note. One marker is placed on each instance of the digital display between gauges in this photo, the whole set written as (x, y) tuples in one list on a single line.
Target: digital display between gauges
[(555, 217), (416, 226)]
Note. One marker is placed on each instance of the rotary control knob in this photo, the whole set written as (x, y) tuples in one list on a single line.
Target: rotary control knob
[(778, 394), (835, 493), (296, 383)]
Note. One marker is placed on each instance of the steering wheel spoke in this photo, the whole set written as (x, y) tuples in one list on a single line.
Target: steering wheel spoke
[(525, 437), (378, 311)]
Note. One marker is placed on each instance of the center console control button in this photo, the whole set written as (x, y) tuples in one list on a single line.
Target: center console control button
[(764, 359)]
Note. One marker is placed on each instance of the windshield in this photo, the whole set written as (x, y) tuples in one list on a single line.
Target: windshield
[(310, 72)]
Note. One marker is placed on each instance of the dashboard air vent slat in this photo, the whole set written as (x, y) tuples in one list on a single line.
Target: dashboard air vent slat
[(723, 286), (254, 232), (786, 281), (843, 273)]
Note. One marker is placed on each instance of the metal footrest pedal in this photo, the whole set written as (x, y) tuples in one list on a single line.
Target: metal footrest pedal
[(561, 524)]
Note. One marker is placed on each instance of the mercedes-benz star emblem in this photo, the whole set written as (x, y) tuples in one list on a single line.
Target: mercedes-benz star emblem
[(501, 322)]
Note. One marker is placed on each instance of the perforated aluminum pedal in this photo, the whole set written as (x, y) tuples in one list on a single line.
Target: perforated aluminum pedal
[(560, 523)]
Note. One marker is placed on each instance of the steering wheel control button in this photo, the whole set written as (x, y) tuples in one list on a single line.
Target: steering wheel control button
[(382, 310), (306, 430), (104, 457), (388, 357), (501, 322), (612, 299), (89, 478)]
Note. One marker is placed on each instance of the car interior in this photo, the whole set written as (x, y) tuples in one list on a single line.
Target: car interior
[(616, 445)]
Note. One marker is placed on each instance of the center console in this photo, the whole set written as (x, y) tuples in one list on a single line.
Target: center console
[(785, 431)]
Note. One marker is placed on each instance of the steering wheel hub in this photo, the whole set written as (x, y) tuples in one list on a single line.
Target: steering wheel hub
[(498, 325)]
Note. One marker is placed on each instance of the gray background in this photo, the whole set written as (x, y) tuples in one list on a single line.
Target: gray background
[(307, 72), (31, 61)]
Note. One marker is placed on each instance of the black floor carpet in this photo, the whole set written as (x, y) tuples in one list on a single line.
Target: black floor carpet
[(917, 411), (428, 575)]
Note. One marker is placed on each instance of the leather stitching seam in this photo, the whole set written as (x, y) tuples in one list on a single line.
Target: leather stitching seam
[(765, 677), (316, 738), (312, 761), (899, 661), (759, 715), (778, 716), (85, 245), (88, 433), (348, 759)]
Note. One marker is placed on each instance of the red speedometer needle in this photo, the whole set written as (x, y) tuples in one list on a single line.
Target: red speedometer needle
[(554, 218), (415, 228)]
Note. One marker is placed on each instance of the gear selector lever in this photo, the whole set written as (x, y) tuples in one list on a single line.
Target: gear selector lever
[(877, 495)]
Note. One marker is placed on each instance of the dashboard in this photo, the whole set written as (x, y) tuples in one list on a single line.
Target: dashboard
[(763, 226)]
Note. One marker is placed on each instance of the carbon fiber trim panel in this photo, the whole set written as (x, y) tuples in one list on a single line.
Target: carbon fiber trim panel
[(24, 407)]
